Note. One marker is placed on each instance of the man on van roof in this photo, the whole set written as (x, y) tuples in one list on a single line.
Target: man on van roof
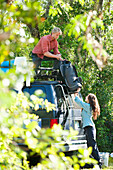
[(48, 43)]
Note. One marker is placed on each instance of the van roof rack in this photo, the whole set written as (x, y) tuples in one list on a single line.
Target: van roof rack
[(51, 72)]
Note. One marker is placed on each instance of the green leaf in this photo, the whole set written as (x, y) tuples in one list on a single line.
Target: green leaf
[(32, 125)]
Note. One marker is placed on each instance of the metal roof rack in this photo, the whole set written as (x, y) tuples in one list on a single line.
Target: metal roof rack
[(43, 72)]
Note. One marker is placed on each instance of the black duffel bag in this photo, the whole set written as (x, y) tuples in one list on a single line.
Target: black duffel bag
[(69, 76)]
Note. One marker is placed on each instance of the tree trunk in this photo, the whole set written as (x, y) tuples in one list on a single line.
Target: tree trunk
[(34, 31), (47, 9), (98, 5)]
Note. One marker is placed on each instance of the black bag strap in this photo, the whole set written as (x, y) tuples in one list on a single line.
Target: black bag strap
[(65, 63)]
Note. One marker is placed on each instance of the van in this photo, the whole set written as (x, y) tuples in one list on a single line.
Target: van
[(67, 112)]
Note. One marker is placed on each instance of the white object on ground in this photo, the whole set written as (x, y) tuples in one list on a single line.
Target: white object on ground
[(105, 158)]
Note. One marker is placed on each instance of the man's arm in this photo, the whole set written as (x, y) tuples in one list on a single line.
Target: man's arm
[(57, 56)]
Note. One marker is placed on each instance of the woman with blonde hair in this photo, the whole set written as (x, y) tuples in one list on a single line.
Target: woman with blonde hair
[(90, 109)]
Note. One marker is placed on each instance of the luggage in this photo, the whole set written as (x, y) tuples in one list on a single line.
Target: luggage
[(69, 76)]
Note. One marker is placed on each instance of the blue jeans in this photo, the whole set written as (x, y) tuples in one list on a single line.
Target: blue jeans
[(90, 133), (37, 61)]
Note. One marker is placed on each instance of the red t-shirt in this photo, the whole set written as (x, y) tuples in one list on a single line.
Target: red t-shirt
[(46, 44)]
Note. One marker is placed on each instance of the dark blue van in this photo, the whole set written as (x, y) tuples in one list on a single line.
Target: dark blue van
[(67, 112)]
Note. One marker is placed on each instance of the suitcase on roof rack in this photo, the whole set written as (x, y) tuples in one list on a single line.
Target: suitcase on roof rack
[(70, 77)]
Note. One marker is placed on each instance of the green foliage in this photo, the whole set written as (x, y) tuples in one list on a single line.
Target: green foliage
[(41, 141), (93, 32), (87, 43)]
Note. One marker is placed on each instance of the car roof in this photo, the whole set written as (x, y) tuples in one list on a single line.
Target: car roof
[(45, 82)]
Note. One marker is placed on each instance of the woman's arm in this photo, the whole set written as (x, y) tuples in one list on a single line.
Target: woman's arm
[(84, 105)]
